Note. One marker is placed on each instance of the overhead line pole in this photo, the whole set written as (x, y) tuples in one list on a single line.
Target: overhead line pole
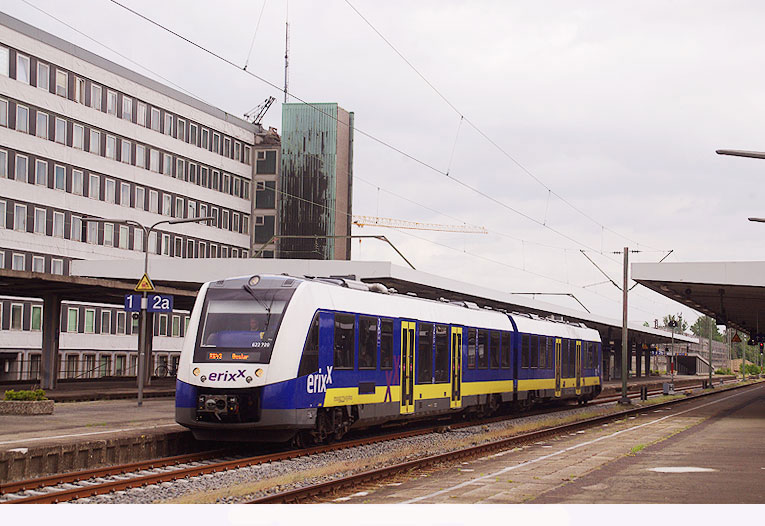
[(624, 400)]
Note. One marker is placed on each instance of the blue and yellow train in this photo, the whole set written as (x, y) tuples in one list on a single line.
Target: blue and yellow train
[(273, 358)]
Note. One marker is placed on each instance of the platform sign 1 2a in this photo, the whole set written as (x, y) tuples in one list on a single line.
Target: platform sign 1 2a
[(160, 303), (133, 302)]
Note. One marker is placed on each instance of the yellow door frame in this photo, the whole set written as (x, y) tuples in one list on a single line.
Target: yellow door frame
[(557, 366), (408, 329), (578, 367), (456, 368)]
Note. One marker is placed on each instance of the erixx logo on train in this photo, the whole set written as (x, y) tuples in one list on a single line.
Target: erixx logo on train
[(318, 382), (226, 376)]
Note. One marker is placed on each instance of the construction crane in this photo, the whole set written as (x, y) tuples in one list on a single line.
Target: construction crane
[(258, 112), (415, 225)]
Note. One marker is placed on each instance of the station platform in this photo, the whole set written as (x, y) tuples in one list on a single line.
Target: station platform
[(99, 422)]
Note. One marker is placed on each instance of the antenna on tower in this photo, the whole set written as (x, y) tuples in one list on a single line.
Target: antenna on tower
[(287, 53)]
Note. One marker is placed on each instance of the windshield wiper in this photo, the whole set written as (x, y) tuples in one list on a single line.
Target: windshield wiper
[(266, 307)]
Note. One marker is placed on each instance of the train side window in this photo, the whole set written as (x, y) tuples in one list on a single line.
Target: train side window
[(572, 358), (442, 354), (309, 362), (386, 344), (564, 358), (550, 352), (494, 349), (543, 343), (471, 348), (525, 351), (367, 342), (534, 351), (425, 354), (505, 346), (482, 349), (345, 336)]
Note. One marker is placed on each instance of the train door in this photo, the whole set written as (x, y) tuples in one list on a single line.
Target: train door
[(557, 365), (578, 367), (408, 329), (456, 399)]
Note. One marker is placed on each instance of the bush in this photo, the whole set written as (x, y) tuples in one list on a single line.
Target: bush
[(723, 370), (752, 369), (23, 395)]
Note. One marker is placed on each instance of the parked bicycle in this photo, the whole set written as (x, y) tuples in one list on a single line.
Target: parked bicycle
[(163, 370)]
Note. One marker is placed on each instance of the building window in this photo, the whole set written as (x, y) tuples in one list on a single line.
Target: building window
[(154, 160), (141, 116), (22, 168), (22, 118), (140, 198), (60, 131), (155, 121), (138, 239), (4, 61), (42, 125), (72, 319), (121, 322), (111, 147), (43, 76), (76, 233), (106, 321), (124, 194), (19, 262), (111, 102), (57, 266), (95, 96), (127, 108), (77, 180), (58, 224), (79, 90), (167, 204), (203, 171), (178, 207), (94, 189), (90, 321), (167, 164), (238, 151), (180, 171), (38, 264), (189, 248), (235, 218), (182, 130), (202, 249), (78, 136), (62, 80), (95, 142), (123, 237), (213, 250), (41, 217), (3, 112), (191, 210), (192, 173), (140, 156), (92, 234), (108, 235), (224, 220), (193, 134), (59, 178), (247, 154), (22, 68), (226, 184), (176, 326), (152, 242), (41, 172), (110, 190), (216, 142), (205, 138), (168, 124), (3, 211), (17, 316), (3, 164), (165, 244), (226, 147), (216, 180), (153, 201), (178, 248), (125, 155), (163, 324)]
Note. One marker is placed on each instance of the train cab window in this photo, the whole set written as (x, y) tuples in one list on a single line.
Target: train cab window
[(543, 343), (345, 336), (471, 348), (482, 350), (442, 354), (386, 344), (425, 353), (367, 342), (534, 351), (550, 352), (525, 359), (309, 362), (505, 350), (494, 349)]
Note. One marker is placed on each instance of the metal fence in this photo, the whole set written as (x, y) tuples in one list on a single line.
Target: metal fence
[(84, 366)]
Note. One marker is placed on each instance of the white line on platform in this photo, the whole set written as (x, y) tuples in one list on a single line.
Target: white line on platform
[(25, 440), (555, 454)]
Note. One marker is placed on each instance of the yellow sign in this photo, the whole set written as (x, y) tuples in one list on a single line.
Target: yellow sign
[(144, 284)]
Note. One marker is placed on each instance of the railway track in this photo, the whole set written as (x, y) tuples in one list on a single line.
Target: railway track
[(81, 484), (317, 492)]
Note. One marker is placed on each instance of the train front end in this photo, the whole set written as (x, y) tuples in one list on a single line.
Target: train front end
[(231, 369)]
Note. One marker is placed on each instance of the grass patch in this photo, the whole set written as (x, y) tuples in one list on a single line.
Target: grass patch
[(637, 449)]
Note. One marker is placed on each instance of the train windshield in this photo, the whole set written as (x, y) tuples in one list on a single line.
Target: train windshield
[(240, 325)]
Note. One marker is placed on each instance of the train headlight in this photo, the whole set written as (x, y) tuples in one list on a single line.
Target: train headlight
[(196, 371), (203, 378), (259, 373), (248, 379), (253, 281)]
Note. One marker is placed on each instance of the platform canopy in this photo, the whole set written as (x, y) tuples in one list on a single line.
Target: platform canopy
[(731, 292), (182, 273)]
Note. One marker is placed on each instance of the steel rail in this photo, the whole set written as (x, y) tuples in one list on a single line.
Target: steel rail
[(307, 492)]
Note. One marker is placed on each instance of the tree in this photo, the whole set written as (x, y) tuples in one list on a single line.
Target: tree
[(701, 328), (682, 325)]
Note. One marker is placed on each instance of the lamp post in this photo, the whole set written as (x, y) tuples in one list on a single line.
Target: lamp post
[(143, 348)]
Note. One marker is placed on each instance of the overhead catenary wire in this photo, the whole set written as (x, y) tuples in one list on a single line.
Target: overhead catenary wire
[(252, 43)]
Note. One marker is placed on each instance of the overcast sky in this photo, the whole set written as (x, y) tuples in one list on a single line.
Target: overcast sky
[(602, 121)]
